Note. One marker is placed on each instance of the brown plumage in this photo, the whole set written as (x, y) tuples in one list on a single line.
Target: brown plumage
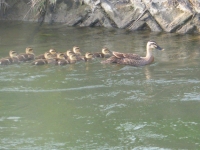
[(77, 52), (51, 51), (41, 56), (68, 53), (12, 59), (61, 59), (110, 60), (48, 60), (126, 55), (72, 59), (29, 55), (134, 59)]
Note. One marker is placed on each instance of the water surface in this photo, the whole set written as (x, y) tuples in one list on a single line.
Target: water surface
[(97, 106)]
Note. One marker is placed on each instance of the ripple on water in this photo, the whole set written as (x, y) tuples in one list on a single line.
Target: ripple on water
[(194, 96), (30, 143), (150, 132), (150, 148), (25, 89)]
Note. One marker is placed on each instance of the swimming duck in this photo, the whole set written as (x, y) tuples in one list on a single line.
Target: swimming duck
[(105, 53), (88, 56), (134, 59), (9, 60), (49, 59), (68, 53), (29, 55), (72, 59), (61, 59), (51, 51), (76, 50)]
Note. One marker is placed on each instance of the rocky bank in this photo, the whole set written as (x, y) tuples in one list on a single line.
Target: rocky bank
[(180, 16)]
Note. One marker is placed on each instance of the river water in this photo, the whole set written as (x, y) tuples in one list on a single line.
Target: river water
[(96, 106)]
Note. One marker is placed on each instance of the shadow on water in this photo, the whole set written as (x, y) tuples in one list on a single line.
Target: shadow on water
[(97, 106)]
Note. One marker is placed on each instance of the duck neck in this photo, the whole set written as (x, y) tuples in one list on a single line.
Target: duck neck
[(149, 52)]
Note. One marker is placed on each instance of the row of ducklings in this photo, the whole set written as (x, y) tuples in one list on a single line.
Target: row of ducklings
[(52, 57)]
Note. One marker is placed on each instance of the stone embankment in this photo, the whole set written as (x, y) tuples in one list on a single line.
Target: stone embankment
[(180, 16)]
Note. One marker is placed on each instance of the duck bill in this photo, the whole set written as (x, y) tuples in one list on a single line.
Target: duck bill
[(159, 48)]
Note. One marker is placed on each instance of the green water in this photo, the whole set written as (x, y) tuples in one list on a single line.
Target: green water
[(96, 106)]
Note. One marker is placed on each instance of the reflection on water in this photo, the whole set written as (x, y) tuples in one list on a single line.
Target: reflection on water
[(97, 106)]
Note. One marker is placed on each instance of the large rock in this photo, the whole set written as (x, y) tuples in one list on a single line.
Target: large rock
[(156, 15)]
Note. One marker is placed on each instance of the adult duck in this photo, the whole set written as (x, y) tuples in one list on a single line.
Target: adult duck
[(134, 59)]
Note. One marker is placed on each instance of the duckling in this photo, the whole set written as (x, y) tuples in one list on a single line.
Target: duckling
[(49, 59), (13, 56), (134, 59), (88, 56), (9, 60), (40, 60), (29, 55), (77, 50), (61, 59), (51, 51), (72, 59), (68, 53), (105, 53)]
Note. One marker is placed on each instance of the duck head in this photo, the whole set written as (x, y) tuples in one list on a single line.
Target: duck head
[(29, 50), (48, 55), (69, 52), (153, 45), (12, 54), (88, 55), (52, 51), (60, 56), (77, 50), (73, 57), (105, 51)]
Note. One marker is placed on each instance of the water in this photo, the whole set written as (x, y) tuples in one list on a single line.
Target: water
[(95, 106)]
